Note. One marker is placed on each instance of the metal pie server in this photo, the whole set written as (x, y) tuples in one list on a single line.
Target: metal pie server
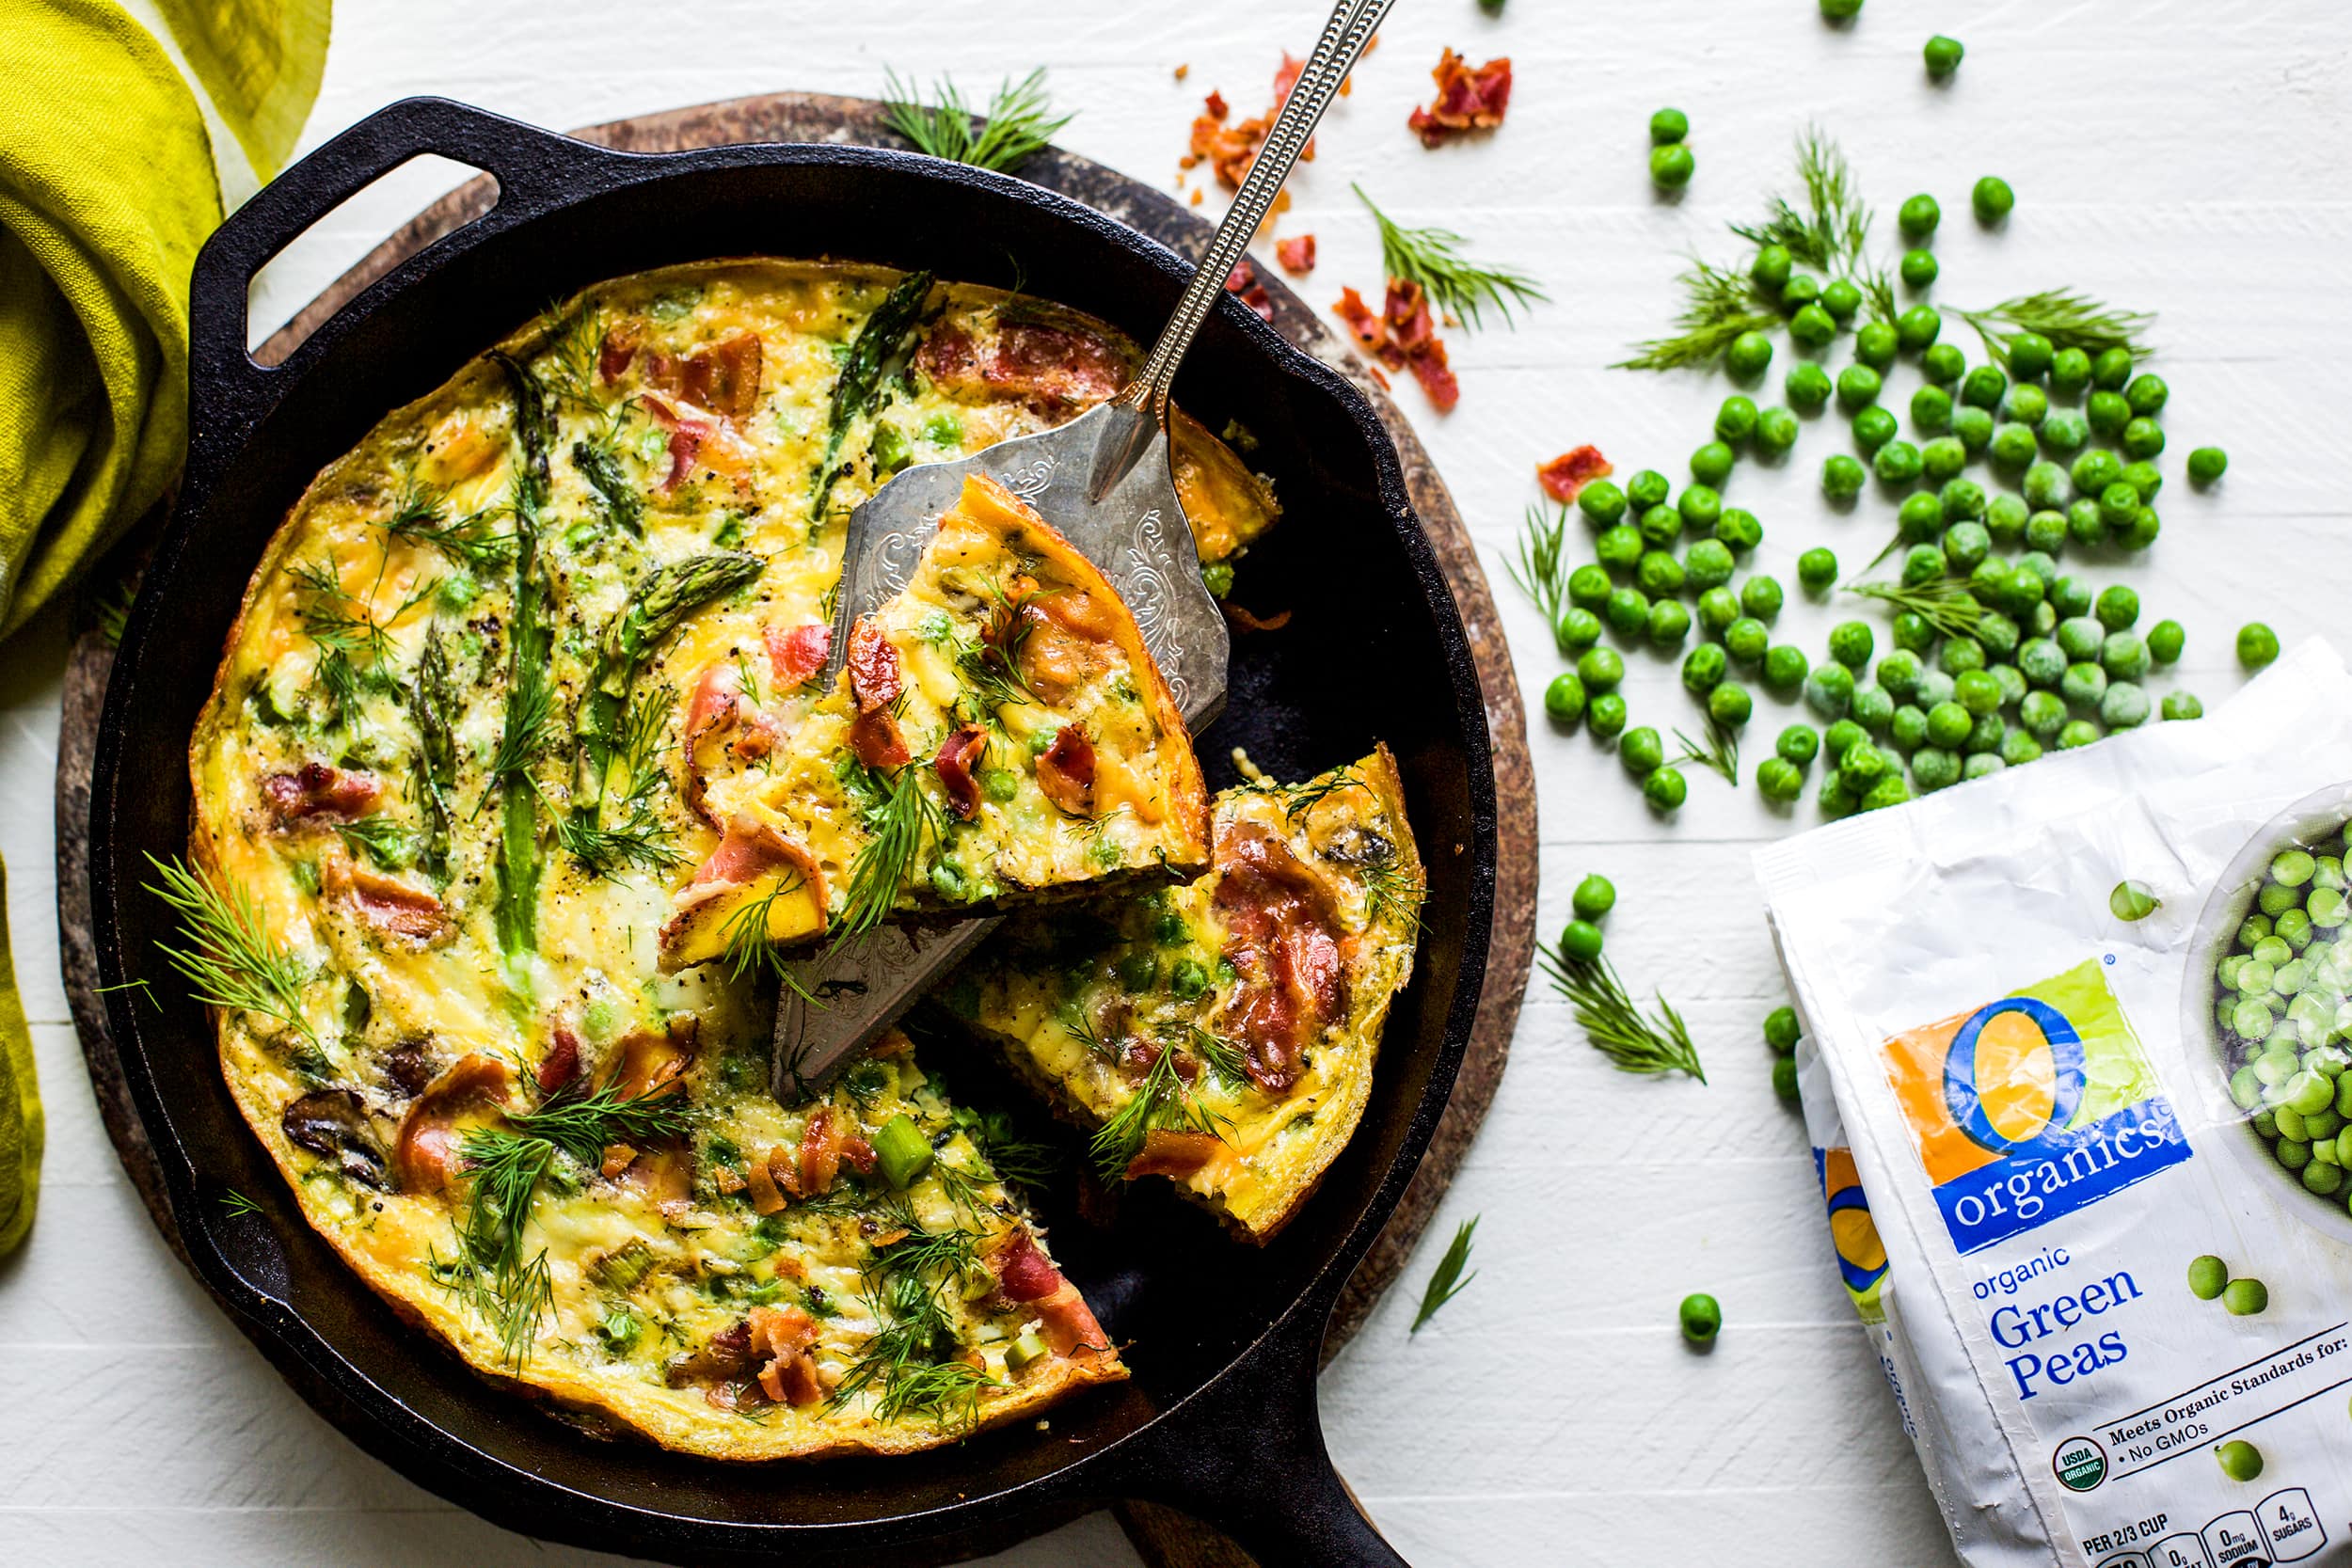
[(1103, 479)]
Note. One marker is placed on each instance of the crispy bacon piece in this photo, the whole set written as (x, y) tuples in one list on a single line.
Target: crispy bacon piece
[(722, 378), (1568, 473), (425, 1153), (1282, 934), (783, 1335), (876, 739), (1065, 771), (621, 340), (1244, 621), (858, 1155), (1243, 281), (1053, 365), (1230, 149), (561, 1064), (1169, 1152), (1296, 254), (1469, 99), (726, 1357), (766, 1192), (749, 850), (957, 755), (318, 793), (648, 1061), (617, 1158), (821, 1153), (875, 676), (687, 434), (718, 704), (798, 653), (1403, 337), (1023, 1273), (388, 905)]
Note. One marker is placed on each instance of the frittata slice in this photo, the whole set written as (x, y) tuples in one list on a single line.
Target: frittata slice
[(1221, 1034), (999, 733)]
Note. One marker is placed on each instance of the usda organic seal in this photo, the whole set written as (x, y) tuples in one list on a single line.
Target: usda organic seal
[(2081, 1463)]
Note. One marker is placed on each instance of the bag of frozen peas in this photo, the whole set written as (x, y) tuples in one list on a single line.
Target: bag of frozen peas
[(2081, 1032)]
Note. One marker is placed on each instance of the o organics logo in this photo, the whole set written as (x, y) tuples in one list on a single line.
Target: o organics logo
[(1861, 1256), (2031, 1107)]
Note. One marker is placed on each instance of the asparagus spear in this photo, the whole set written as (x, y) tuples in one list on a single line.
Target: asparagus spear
[(527, 692), (856, 392)]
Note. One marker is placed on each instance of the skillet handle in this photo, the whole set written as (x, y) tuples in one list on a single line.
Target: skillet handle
[(1247, 1455), (530, 166)]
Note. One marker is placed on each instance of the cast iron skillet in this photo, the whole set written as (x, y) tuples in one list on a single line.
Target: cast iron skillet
[(1219, 1419)]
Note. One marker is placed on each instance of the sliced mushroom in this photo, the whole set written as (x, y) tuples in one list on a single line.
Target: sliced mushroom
[(334, 1123)]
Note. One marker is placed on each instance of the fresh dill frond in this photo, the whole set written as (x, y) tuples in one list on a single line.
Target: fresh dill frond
[(1616, 1027), (1162, 1100), (234, 1203), (584, 1127), (382, 840), (1220, 1056), (1447, 1281), (520, 740), (901, 817), (1011, 1157), (570, 357), (1834, 231), (1540, 567), (1944, 602), (1392, 892), (2068, 319), (1718, 306), (1721, 752), (1878, 296), (1018, 124), (231, 960), (420, 512), (913, 1364), (1455, 285), (641, 838)]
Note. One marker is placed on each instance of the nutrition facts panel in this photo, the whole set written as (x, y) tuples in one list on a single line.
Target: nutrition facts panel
[(2282, 1528)]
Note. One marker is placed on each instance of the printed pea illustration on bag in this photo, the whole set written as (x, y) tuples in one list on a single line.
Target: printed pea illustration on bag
[(2083, 1034)]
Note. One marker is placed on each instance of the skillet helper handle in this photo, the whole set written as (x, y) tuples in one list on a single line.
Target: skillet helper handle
[(529, 165), (1247, 1455)]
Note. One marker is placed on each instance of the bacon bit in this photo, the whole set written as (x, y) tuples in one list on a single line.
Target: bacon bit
[(1244, 621), (1051, 368), (1296, 254), (425, 1153), (561, 1064), (1196, 198), (722, 378), (316, 791), (1169, 1152), (1023, 1273), (729, 1179), (386, 903), (821, 1153), (796, 655), (1183, 72), (858, 1155), (687, 434), (1569, 472), (1281, 933), (1243, 281), (767, 1196), (619, 347), (1468, 100), (957, 755), (1230, 149), (784, 1168), (750, 850), (875, 676), (1402, 338), (876, 740), (1069, 1325), (1066, 771), (617, 1158)]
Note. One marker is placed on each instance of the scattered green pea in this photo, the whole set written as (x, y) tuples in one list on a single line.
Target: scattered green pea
[(1640, 751), (1594, 897), (1798, 744), (1993, 199), (1665, 789), (2183, 704), (1605, 718), (1746, 639), (1580, 939), (1808, 386), (1564, 699), (1785, 669), (2147, 394), (1775, 431), (1918, 217), (1667, 624), (1670, 166), (1918, 268), (2070, 372), (1943, 56), (1749, 355), (1813, 326), (1802, 288), (1842, 478), (2207, 464), (2030, 357), (1942, 364), (1668, 126), (2246, 1298), (1842, 298), (1972, 427), (2165, 640), (1701, 1318), (2207, 1276), (1779, 780), (1784, 1068), (2239, 1459), (2257, 644), (1874, 432), (1600, 669), (2130, 900), (1816, 568), (1730, 705)]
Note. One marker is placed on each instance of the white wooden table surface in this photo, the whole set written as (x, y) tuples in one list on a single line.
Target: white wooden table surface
[(2193, 160)]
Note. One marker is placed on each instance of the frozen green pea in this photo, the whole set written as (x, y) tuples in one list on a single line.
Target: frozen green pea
[(1703, 668), (1798, 744), (1718, 609), (1775, 431), (1620, 547), (2164, 642), (1665, 789), (1667, 624), (1646, 489), (2107, 414), (1785, 670), (2043, 530), (1628, 611), (1808, 386), (2257, 645), (1829, 690), (2132, 900), (1706, 564), (1816, 568), (2076, 734), (1737, 528), (1779, 780), (1745, 640), (1934, 767), (1841, 297), (1730, 705), (2019, 747), (1931, 409), (1760, 597), (2063, 432), (2124, 655), (2206, 465), (1972, 428), (1605, 718), (1942, 458)]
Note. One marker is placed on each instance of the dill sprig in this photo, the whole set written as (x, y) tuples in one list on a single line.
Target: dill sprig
[(1720, 752), (1018, 124), (1541, 568), (511, 1292), (1618, 1029), (1833, 229), (1217, 1053), (1447, 1281), (1163, 1099), (1718, 306), (382, 840), (420, 512), (231, 962), (2068, 319), (1454, 283), (635, 832), (234, 1203), (913, 1363), (1944, 602), (1011, 1157), (900, 818)]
